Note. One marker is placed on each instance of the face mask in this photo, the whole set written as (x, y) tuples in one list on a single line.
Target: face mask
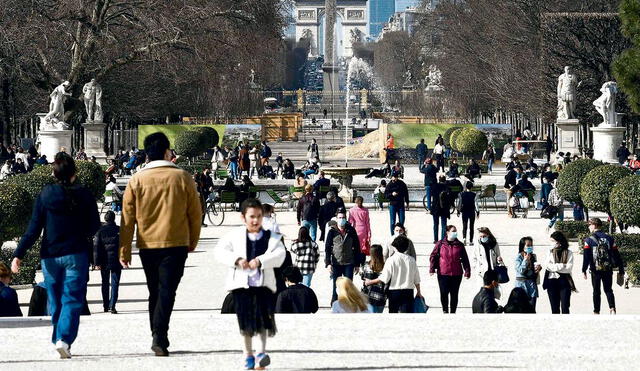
[(342, 222), (529, 249), (484, 239), (453, 236)]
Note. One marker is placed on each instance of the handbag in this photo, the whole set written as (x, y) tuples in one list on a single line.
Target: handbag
[(419, 305), (503, 274), (549, 212)]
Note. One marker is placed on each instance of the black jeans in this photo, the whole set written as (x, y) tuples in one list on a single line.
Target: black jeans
[(340, 271), (607, 281), (468, 220), (559, 291), (449, 285), (112, 275), (163, 269), (401, 301)]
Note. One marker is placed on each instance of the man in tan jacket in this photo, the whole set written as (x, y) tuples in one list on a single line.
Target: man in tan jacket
[(163, 203)]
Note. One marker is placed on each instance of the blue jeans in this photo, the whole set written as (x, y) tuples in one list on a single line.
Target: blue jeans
[(233, 166), (312, 226), (378, 308), (306, 279), (339, 271), (393, 210), (114, 276), (442, 220), (490, 164), (427, 189), (65, 278), (558, 216)]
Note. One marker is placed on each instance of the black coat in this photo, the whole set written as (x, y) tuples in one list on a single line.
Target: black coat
[(106, 246), (485, 302), (297, 299)]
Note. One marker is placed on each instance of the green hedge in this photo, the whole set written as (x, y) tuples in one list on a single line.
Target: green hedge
[(15, 210), (597, 184), (471, 142), (190, 143), (625, 200), (453, 137), (447, 135), (91, 176), (575, 228), (628, 244), (29, 265), (208, 136), (571, 177), (633, 270)]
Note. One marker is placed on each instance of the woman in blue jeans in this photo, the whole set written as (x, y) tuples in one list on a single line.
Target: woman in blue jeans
[(69, 216)]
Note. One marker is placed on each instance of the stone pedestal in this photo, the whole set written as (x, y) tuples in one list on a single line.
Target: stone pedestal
[(54, 141), (568, 136), (606, 141), (94, 140), (331, 88)]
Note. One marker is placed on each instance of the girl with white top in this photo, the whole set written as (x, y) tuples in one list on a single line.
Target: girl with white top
[(486, 255), (557, 278), (251, 253)]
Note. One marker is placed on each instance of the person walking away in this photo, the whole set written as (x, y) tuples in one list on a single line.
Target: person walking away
[(486, 255), (422, 150), (319, 184), (555, 201), (349, 299), (307, 255), (342, 250), (312, 150), (388, 249), (438, 153), (106, 245), (68, 214), (232, 158), (251, 254), (245, 161), (9, 305), (308, 211), (359, 219), (484, 301), (430, 172), (449, 259), (375, 293), (297, 297), (440, 207), (601, 255), (527, 270), (265, 153), (327, 212), (279, 163), (162, 203), (401, 274), (489, 156), (470, 209), (557, 277), (398, 195)]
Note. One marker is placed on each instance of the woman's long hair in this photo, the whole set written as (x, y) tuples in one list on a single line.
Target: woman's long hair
[(377, 260), (492, 239), (64, 170), (349, 296), (303, 235)]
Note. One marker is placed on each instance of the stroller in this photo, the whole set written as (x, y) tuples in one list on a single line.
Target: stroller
[(520, 202)]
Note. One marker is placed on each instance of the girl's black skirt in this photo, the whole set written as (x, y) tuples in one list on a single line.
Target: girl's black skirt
[(254, 309)]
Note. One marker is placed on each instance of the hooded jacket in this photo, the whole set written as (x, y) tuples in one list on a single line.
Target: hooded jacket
[(106, 246)]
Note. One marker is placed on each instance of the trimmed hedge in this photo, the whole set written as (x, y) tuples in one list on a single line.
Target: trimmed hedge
[(447, 134), (453, 137), (471, 142), (571, 177), (625, 200), (208, 136), (576, 228), (628, 244), (29, 265), (190, 143), (91, 176), (597, 184), (15, 210), (633, 270)]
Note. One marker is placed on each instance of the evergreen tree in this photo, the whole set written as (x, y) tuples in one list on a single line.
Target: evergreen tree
[(626, 68)]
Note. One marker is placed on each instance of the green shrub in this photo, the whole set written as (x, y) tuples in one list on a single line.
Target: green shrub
[(190, 143), (28, 267), (597, 184), (91, 176), (471, 142), (15, 210), (633, 270), (628, 244), (453, 137), (34, 181), (625, 200), (576, 228), (571, 177), (447, 134), (208, 135)]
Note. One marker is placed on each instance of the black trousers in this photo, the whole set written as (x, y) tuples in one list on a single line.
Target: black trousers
[(401, 301), (559, 291), (468, 220), (607, 281), (163, 269), (449, 286)]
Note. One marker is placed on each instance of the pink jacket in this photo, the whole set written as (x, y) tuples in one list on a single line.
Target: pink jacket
[(450, 258), (359, 219)]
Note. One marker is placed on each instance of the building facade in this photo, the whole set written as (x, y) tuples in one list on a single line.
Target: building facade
[(379, 13)]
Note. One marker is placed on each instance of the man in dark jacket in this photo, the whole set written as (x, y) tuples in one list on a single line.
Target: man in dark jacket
[(106, 257), (440, 207), (322, 182), (485, 301), (422, 149), (468, 206), (296, 298), (327, 212), (510, 181), (430, 172), (342, 250), (622, 153), (308, 211), (398, 195), (265, 152)]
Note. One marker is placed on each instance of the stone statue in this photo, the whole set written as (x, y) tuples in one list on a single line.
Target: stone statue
[(355, 36), (434, 79), (53, 120), (407, 78), (253, 77), (92, 97), (606, 104), (567, 84)]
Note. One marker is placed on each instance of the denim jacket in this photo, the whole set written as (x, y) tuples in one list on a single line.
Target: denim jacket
[(522, 270)]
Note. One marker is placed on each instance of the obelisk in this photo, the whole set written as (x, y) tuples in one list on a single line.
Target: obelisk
[(331, 85)]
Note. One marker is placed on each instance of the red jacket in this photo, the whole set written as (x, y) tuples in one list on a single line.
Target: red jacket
[(453, 259)]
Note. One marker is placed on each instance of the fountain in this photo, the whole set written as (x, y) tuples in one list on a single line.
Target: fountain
[(357, 70)]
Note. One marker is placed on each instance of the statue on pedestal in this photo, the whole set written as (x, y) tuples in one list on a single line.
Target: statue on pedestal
[(567, 84), (434, 79), (606, 104), (53, 120), (92, 97)]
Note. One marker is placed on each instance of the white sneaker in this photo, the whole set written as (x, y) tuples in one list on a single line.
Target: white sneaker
[(63, 349)]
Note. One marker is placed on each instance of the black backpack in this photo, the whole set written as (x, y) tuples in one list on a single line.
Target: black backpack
[(444, 200), (602, 254)]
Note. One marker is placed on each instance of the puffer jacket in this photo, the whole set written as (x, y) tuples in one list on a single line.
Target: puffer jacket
[(343, 249), (449, 258), (106, 245)]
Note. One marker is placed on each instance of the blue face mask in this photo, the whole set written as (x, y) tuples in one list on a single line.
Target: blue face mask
[(529, 249), (453, 236), (342, 222), (484, 239)]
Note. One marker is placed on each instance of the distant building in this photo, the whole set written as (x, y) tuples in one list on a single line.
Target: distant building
[(406, 20), (401, 5), (379, 13)]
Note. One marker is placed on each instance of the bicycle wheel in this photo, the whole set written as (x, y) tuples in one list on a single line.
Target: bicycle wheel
[(424, 202), (215, 213)]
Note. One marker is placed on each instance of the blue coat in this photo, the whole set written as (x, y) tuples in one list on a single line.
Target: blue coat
[(9, 306)]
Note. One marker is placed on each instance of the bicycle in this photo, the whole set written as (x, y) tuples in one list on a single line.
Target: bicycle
[(215, 212)]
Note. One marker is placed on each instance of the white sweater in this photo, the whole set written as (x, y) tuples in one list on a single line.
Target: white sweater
[(400, 272), (555, 268)]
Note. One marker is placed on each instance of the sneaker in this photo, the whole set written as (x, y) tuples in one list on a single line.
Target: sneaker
[(612, 311), (159, 351), (249, 363), (114, 311), (63, 349), (263, 360)]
